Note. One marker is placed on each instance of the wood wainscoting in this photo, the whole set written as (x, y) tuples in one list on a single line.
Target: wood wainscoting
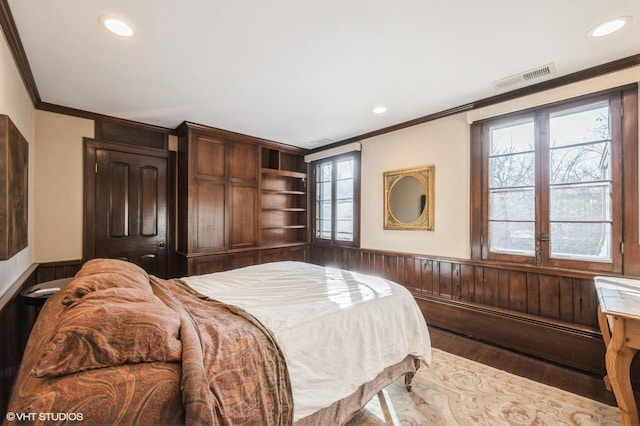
[(57, 270), (17, 319), (549, 314)]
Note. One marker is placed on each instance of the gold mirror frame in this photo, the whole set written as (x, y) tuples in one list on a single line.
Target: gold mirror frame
[(426, 176)]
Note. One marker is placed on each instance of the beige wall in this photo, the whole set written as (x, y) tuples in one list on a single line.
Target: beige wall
[(59, 185), (443, 143), (15, 102)]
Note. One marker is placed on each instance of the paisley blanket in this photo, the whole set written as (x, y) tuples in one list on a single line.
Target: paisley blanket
[(120, 347)]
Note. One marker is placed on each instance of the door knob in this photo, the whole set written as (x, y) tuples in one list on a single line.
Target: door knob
[(161, 244)]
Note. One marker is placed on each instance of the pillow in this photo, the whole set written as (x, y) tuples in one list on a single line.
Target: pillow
[(111, 327), (99, 274)]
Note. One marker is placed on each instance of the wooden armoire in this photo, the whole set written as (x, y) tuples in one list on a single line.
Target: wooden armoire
[(241, 201)]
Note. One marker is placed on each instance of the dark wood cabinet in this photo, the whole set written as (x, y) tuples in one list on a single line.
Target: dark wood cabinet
[(237, 196)]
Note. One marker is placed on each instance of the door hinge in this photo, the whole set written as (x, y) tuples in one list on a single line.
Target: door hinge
[(622, 247), (96, 168), (481, 240)]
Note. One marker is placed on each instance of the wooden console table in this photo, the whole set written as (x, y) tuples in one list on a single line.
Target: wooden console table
[(619, 320)]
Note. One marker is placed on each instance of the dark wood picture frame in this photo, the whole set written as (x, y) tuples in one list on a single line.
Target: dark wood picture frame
[(14, 189)]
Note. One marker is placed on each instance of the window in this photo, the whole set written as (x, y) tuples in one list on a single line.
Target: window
[(337, 200), (550, 185)]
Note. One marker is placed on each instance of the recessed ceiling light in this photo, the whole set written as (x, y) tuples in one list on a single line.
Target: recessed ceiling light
[(116, 26), (380, 109), (609, 27)]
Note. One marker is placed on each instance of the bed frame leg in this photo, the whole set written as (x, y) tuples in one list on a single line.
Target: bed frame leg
[(408, 377)]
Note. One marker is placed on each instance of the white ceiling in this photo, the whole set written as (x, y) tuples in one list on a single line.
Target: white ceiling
[(304, 72)]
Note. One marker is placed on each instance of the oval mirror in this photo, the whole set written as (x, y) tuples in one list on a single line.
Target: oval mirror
[(407, 199)]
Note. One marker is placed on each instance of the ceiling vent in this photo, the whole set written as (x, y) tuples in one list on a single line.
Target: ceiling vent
[(524, 77)]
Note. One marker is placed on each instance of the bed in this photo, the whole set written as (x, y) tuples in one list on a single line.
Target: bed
[(277, 343)]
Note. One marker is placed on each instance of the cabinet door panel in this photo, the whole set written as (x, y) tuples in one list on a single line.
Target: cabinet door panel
[(243, 162), (209, 158), (243, 216), (210, 213)]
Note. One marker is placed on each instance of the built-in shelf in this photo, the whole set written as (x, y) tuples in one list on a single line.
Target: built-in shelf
[(280, 160), (284, 209), (285, 227), (284, 192), (283, 198), (287, 173)]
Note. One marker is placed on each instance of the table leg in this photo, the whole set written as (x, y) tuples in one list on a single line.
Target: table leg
[(618, 362), (606, 336)]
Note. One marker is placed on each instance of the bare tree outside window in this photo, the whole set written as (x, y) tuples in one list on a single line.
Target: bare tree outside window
[(512, 188), (580, 183), (556, 186), (576, 149)]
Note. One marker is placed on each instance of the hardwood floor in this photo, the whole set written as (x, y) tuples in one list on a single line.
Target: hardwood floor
[(532, 368)]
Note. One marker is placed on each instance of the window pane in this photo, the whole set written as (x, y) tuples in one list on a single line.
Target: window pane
[(344, 220), (344, 210), (345, 189), (345, 168), (516, 204), (323, 201), (344, 230), (512, 138), (581, 163), (323, 221), (581, 202), (512, 170), (325, 210), (512, 237), (325, 172), (581, 241), (323, 191), (323, 229), (580, 125)]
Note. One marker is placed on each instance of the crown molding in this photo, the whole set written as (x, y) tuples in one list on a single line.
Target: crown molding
[(17, 50)]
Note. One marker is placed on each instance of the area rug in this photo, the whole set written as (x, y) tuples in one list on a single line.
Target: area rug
[(457, 391)]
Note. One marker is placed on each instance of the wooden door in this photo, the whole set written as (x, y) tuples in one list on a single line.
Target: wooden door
[(129, 196)]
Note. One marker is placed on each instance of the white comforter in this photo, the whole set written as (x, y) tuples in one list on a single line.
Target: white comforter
[(337, 329)]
